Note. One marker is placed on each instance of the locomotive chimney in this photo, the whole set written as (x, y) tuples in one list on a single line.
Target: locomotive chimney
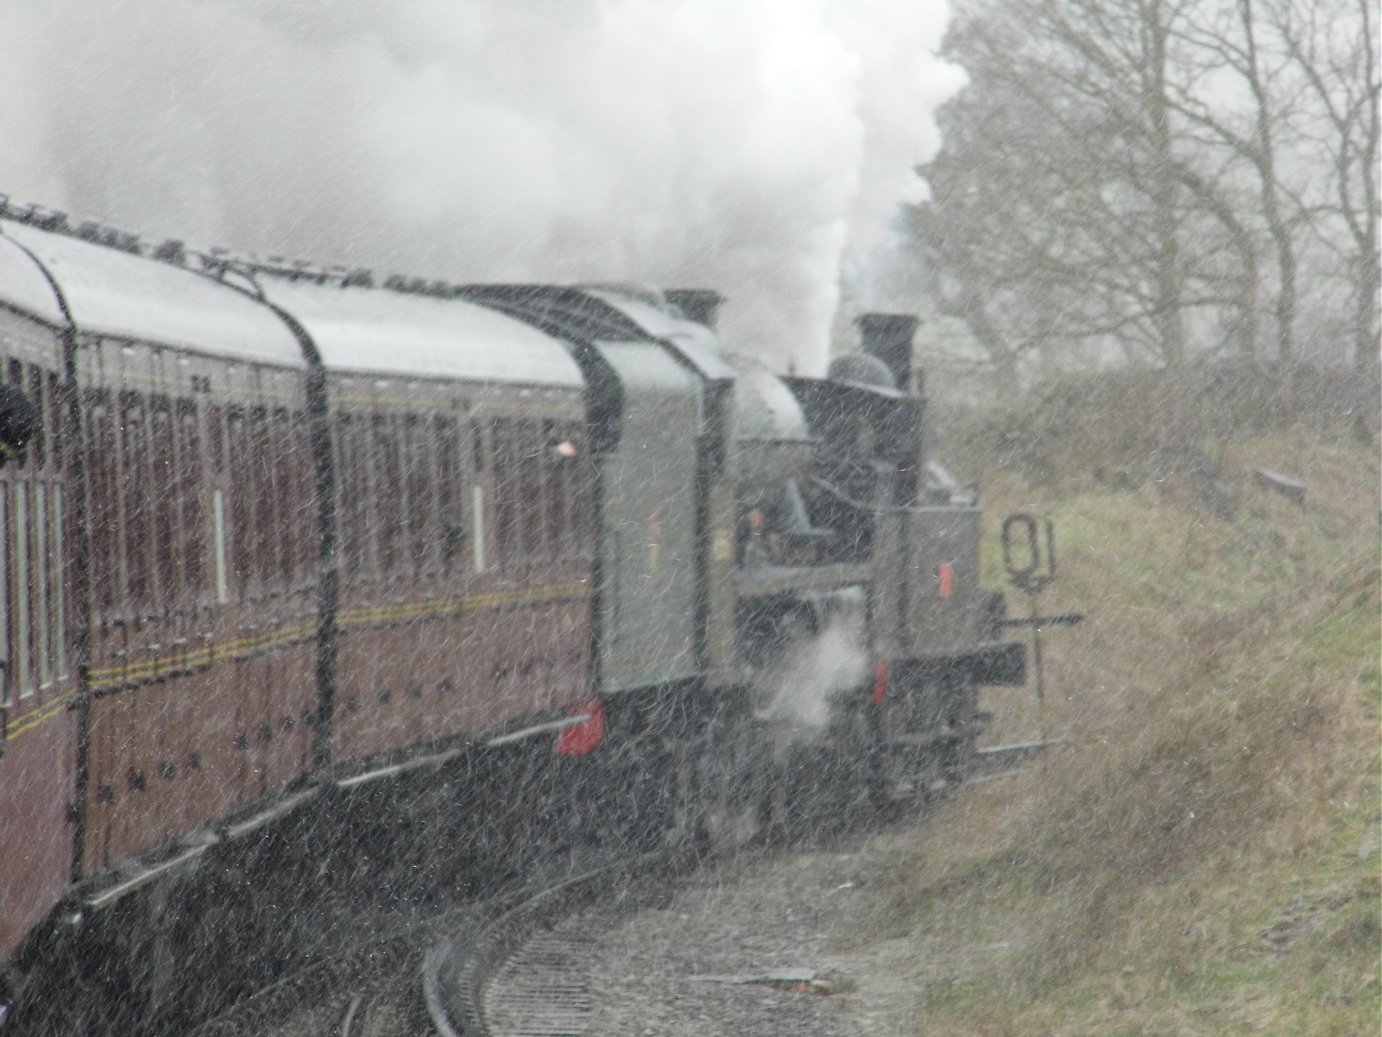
[(701, 305), (888, 336)]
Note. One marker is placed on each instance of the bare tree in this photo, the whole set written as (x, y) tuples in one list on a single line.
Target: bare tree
[(1060, 201), (1143, 173), (1227, 41), (1334, 45)]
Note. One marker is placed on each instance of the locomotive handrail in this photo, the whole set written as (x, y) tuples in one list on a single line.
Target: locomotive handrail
[(1060, 619), (877, 509)]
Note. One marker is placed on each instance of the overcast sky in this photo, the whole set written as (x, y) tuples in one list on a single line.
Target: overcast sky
[(743, 145)]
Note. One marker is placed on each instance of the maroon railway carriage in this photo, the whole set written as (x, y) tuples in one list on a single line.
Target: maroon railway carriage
[(186, 524), (37, 770), (200, 582), (465, 538)]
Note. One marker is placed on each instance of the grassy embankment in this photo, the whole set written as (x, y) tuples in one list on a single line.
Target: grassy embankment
[(1203, 855)]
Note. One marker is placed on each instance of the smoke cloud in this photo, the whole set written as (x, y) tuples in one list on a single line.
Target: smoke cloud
[(745, 145)]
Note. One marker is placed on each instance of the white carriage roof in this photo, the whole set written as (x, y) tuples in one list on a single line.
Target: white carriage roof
[(378, 331), (697, 342), (23, 286), (113, 293)]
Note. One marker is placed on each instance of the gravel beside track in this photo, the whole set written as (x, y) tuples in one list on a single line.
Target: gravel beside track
[(666, 972)]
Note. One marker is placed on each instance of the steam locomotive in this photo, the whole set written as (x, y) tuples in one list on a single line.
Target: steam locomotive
[(278, 544)]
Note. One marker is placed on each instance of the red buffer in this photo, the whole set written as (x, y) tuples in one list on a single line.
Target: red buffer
[(582, 738)]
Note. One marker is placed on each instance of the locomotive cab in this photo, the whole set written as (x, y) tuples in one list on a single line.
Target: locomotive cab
[(872, 544)]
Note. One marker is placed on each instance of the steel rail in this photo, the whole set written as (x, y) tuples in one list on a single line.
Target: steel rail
[(457, 973)]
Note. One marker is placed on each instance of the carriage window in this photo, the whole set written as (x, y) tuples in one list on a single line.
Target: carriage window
[(450, 527), (215, 449), (532, 473), (103, 503), (477, 536), (43, 643), (14, 375), (508, 498), (420, 505), (261, 541), (192, 520), (581, 487), (53, 427), (353, 490), (134, 452), (385, 461), (240, 518), (38, 446), (58, 575), (19, 510), (481, 442), (163, 489), (218, 536), (557, 465)]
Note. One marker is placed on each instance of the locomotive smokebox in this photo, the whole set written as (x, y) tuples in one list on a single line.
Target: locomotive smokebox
[(888, 336), (701, 305)]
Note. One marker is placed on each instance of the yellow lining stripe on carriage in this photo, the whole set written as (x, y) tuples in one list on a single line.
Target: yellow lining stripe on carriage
[(457, 606), (110, 677), (162, 665), (29, 721)]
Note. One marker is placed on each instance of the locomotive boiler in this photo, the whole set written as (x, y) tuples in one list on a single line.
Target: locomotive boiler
[(287, 555)]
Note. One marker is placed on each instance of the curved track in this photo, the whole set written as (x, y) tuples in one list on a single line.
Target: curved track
[(504, 966), (366, 990), (526, 972), (521, 973)]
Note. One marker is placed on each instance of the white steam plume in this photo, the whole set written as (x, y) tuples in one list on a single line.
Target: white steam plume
[(744, 145), (801, 692)]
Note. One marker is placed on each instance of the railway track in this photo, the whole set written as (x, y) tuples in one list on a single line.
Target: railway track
[(357, 989), (543, 988), (522, 974), (526, 974), (392, 985), (511, 965)]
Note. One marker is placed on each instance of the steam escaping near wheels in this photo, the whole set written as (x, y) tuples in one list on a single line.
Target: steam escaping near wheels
[(800, 693)]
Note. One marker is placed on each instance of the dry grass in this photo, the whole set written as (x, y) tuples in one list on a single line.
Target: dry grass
[(1203, 856)]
